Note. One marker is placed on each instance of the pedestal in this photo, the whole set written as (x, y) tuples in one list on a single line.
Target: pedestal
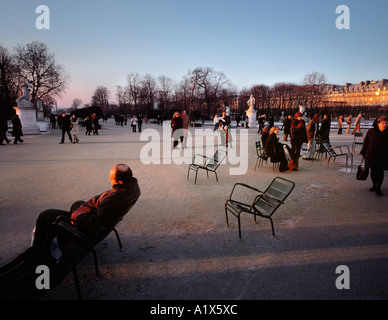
[(251, 113), (27, 115)]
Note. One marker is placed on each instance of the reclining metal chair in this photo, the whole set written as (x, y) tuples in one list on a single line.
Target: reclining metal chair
[(264, 204), (208, 164)]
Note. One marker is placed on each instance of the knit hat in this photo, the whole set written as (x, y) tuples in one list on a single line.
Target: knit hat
[(297, 115)]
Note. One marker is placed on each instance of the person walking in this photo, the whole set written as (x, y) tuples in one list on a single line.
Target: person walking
[(17, 131), (348, 122), (74, 128), (95, 124), (375, 152), (134, 123), (66, 124), (357, 124), (298, 137)]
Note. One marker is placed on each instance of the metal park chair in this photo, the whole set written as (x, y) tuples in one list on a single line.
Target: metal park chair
[(358, 139), (261, 155), (338, 151), (264, 203), (208, 164)]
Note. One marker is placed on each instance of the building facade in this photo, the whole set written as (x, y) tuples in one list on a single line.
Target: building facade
[(368, 93)]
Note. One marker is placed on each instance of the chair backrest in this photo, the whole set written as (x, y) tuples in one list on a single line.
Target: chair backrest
[(279, 189), (217, 159), (258, 148), (329, 150)]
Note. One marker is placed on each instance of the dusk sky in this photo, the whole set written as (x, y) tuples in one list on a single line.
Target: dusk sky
[(251, 41)]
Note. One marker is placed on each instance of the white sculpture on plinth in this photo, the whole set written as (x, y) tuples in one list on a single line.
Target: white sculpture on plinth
[(26, 111), (251, 112)]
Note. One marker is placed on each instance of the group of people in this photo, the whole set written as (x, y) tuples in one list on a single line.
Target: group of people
[(180, 124), (17, 131), (374, 150), (136, 121), (278, 152), (70, 126), (357, 124)]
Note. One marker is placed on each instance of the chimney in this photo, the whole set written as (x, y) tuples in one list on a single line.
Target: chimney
[(367, 83)]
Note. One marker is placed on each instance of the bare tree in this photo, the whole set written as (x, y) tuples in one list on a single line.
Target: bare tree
[(134, 88), (76, 103), (37, 65), (8, 81), (148, 90), (100, 98), (166, 86), (314, 78)]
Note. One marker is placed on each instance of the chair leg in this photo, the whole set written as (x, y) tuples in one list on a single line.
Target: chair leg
[(196, 173), (96, 263), (273, 229), (226, 215), (118, 239), (76, 282), (216, 176), (239, 226)]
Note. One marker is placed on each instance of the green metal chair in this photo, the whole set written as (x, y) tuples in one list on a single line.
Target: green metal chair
[(264, 204), (208, 164)]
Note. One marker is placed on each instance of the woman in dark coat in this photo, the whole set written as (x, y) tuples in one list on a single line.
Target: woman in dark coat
[(275, 149), (17, 128), (375, 152), (298, 137)]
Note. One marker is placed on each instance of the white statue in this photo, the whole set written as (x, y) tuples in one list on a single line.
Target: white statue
[(26, 93), (251, 103)]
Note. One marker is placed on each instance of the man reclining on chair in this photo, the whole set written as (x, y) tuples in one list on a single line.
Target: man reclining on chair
[(103, 210)]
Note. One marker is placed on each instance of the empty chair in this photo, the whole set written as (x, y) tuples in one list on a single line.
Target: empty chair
[(358, 139), (245, 198), (261, 155), (208, 164), (338, 151)]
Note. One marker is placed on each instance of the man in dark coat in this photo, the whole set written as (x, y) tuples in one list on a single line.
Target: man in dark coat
[(101, 211), (375, 152), (66, 127), (298, 137)]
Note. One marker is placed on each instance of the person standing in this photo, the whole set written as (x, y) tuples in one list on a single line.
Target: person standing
[(298, 137), (134, 123), (375, 152), (324, 131), (74, 128), (312, 132), (88, 125), (95, 124), (287, 127), (185, 126), (340, 125), (17, 131), (66, 124), (176, 125)]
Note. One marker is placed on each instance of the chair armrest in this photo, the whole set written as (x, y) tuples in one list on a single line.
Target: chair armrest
[(200, 155), (244, 186), (68, 231), (340, 148)]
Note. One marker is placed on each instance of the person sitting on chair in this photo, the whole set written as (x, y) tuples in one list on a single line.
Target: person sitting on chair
[(275, 149), (103, 210)]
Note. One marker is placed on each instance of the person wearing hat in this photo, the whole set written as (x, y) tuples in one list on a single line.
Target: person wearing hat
[(312, 131), (298, 137)]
